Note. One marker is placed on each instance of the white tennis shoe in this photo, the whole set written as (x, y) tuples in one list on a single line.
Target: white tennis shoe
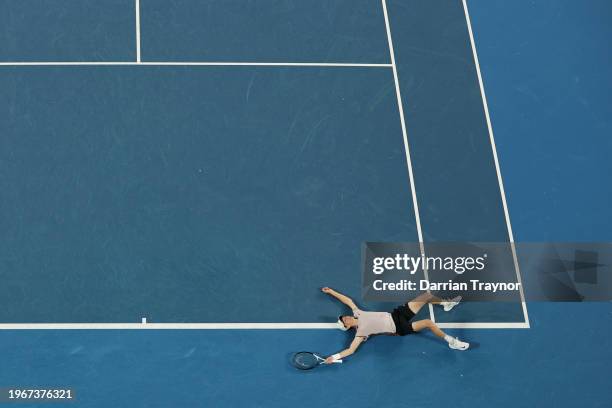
[(449, 304), (457, 344)]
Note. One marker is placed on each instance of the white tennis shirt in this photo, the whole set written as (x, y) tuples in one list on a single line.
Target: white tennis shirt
[(369, 323)]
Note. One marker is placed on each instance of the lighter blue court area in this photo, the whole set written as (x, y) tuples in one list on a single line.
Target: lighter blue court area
[(548, 88), (224, 194), (551, 364)]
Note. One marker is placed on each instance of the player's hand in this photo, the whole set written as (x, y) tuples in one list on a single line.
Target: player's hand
[(329, 360), (326, 290)]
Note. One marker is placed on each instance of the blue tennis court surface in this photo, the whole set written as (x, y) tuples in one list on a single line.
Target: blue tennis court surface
[(285, 31), (88, 30), (218, 162), (250, 368), (156, 192)]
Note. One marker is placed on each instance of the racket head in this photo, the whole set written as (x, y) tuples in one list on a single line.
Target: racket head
[(306, 360)]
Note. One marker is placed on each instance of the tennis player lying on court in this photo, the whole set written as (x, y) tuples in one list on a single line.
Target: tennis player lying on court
[(396, 323)]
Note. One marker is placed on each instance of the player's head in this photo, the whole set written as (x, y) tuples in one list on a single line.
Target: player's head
[(346, 322)]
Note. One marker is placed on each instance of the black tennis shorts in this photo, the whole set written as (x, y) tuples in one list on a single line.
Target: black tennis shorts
[(401, 317)]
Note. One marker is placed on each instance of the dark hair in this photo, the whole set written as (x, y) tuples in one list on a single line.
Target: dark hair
[(341, 321)]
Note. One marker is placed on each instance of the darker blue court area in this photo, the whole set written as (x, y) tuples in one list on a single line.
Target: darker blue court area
[(455, 176), (50, 30), (350, 31), (190, 194), (156, 191)]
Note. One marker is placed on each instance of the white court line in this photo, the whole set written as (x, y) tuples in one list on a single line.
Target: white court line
[(165, 326), (189, 64), (226, 326), (497, 169), (400, 105), (137, 5), (505, 325)]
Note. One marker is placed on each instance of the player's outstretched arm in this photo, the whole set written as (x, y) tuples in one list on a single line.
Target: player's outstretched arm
[(347, 352), (342, 298)]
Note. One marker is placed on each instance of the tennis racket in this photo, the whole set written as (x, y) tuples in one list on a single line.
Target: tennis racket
[(306, 360)]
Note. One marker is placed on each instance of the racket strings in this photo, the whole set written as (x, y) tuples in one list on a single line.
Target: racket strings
[(306, 360)]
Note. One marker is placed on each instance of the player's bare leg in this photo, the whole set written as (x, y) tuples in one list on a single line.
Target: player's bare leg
[(428, 324), (424, 298), (418, 302), (453, 342)]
